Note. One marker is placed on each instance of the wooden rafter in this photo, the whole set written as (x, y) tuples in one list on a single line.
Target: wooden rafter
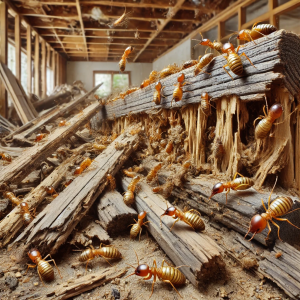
[(58, 39), (82, 26)]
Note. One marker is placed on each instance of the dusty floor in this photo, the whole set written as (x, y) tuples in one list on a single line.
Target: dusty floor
[(236, 284)]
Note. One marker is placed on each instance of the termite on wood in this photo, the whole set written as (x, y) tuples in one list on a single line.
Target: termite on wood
[(137, 228)]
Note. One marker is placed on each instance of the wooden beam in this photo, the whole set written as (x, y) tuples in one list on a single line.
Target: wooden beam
[(48, 56), (18, 46), (29, 61), (44, 70), (175, 9), (82, 27), (37, 65), (3, 55)]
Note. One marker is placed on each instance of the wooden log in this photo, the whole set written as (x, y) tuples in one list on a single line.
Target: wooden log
[(13, 222), (55, 223), (53, 101), (276, 65), (183, 245), (33, 156), (85, 283), (114, 214)]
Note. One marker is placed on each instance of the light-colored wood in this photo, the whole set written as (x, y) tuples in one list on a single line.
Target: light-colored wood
[(82, 26), (44, 70), (54, 54), (37, 65), (29, 60), (18, 46), (3, 55), (48, 56)]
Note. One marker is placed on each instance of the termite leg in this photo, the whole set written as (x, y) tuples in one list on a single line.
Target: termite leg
[(174, 224), (54, 264), (40, 277), (243, 54), (168, 281), (277, 227), (269, 229), (226, 70), (29, 266), (284, 219)]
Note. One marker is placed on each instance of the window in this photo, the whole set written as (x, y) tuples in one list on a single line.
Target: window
[(50, 83), (113, 82), (11, 58), (24, 71)]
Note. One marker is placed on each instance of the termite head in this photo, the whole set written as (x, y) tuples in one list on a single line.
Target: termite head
[(158, 86), (204, 96), (242, 35), (142, 270), (217, 188), (129, 49), (205, 42), (181, 78), (170, 211), (258, 224), (276, 111), (142, 215), (227, 47), (34, 255)]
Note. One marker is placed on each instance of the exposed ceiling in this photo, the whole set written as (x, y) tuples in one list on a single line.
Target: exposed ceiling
[(84, 30)]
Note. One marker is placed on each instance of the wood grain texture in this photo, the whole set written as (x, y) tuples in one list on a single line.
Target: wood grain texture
[(53, 101), (183, 245), (55, 223), (275, 62), (114, 215)]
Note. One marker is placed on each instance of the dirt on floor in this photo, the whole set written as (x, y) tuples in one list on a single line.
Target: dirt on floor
[(237, 283)]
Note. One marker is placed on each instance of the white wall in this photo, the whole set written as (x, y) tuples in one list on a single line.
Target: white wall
[(83, 70), (178, 55)]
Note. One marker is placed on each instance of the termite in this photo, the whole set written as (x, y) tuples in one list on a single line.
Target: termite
[(6, 157), (190, 217), (11, 196), (153, 172), (63, 123), (129, 173), (203, 62), (105, 252), (204, 104), (234, 61), (153, 76), (213, 45), (128, 197), (145, 83), (44, 269), (169, 70), (280, 206), (189, 64), (86, 163), (177, 94), (123, 20), (256, 32), (99, 147), (237, 184), (40, 136), (111, 181), (137, 227), (264, 126), (122, 62), (169, 147), (166, 274), (158, 93), (51, 191), (27, 217)]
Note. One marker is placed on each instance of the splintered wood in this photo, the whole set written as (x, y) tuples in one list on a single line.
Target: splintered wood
[(183, 245), (56, 222)]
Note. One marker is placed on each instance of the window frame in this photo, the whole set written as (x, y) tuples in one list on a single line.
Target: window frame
[(112, 73)]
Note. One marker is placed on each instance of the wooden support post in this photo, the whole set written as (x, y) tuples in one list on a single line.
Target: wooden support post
[(37, 65), (29, 60), (54, 68), (271, 4), (57, 69), (48, 56), (3, 55), (44, 70), (18, 46)]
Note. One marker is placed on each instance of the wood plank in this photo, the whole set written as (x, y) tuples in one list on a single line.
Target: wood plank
[(3, 56), (13, 222), (32, 157), (114, 215), (44, 70), (53, 100), (37, 65), (56, 222), (183, 245), (18, 46), (267, 71), (29, 61)]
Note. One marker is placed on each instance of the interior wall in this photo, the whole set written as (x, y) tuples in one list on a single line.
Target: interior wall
[(83, 70), (178, 55)]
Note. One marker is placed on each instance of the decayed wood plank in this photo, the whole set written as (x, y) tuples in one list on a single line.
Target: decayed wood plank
[(13, 222), (53, 101), (86, 283), (55, 223), (183, 245), (114, 214), (272, 66), (20, 103), (33, 156), (284, 271)]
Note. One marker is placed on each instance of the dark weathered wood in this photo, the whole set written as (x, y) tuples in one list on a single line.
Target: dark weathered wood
[(277, 64), (85, 283), (12, 86), (53, 101), (13, 222), (56, 222), (114, 214), (33, 156), (183, 245)]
